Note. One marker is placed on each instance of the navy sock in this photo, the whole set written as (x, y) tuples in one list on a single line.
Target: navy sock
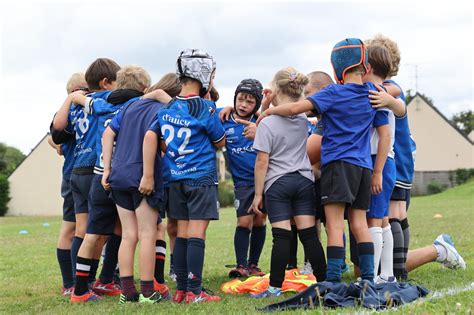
[(181, 263), (257, 240), (83, 269), (293, 259), (171, 261), (366, 260), (94, 267), (335, 261), (344, 242), (241, 245), (280, 254), (64, 260), (160, 256), (110, 259), (314, 252), (195, 255), (76, 244), (406, 243)]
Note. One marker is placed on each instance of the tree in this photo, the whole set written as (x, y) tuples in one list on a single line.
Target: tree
[(409, 95), (10, 158), (464, 121)]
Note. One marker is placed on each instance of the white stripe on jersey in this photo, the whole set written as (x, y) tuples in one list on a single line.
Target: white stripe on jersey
[(374, 137)]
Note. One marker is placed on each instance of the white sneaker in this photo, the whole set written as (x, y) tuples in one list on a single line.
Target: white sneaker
[(381, 279), (306, 269), (453, 259)]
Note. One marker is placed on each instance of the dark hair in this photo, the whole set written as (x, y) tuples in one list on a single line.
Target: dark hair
[(214, 94), (101, 68), (380, 60), (358, 69), (186, 80)]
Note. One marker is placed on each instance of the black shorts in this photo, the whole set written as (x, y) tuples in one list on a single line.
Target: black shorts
[(68, 201), (80, 186), (165, 208), (289, 196), (102, 210), (401, 194), (187, 202), (243, 200), (319, 208), (347, 183)]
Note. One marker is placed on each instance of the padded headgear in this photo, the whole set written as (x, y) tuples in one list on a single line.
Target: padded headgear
[(196, 64), (252, 87), (346, 55)]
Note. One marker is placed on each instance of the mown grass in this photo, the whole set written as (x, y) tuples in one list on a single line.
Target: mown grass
[(30, 280)]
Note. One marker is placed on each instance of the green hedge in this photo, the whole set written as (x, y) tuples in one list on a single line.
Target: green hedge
[(226, 194), (4, 192)]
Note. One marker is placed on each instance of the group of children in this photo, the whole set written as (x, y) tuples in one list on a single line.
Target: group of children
[(135, 154)]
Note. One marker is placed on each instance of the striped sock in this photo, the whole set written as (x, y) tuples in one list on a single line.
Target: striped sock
[(83, 268), (398, 245), (335, 261), (366, 260), (160, 251)]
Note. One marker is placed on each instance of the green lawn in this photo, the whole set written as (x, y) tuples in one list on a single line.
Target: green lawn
[(30, 279)]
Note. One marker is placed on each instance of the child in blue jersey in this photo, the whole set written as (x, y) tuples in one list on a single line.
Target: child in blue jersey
[(347, 116), (138, 212), (103, 218), (383, 177), (283, 173), (64, 143), (250, 231), (191, 130), (101, 79)]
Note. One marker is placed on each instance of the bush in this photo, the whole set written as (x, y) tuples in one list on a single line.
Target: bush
[(463, 175), (434, 187), (226, 194), (4, 194)]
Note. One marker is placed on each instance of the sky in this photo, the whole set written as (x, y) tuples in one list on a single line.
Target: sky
[(43, 42)]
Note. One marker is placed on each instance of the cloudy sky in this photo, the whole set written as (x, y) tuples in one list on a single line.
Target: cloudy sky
[(44, 42)]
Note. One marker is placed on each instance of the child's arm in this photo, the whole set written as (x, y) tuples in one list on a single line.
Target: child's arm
[(60, 120), (289, 109), (261, 167), (108, 138), (158, 95), (250, 128), (267, 99), (392, 89), (150, 146), (225, 112), (55, 146), (383, 148), (381, 98)]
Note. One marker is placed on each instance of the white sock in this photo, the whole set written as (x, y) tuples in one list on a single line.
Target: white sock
[(386, 262), (442, 253), (376, 233)]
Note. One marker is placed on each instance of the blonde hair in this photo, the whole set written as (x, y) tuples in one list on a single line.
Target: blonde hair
[(77, 81), (168, 83), (290, 82), (134, 78), (391, 46)]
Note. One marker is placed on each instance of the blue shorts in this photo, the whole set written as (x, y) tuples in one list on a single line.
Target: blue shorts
[(289, 196), (68, 201), (131, 199), (80, 186), (188, 202), (380, 204), (102, 210), (243, 200)]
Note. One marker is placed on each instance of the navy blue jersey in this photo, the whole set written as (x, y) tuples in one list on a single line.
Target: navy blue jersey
[(190, 126), (130, 126), (85, 127), (404, 148), (68, 152), (311, 128), (347, 116), (103, 111), (240, 152)]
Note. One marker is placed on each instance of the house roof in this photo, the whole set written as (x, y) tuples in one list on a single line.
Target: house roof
[(26, 157), (442, 116)]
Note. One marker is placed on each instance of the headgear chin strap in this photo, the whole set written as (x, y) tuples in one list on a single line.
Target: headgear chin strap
[(252, 87), (196, 64), (348, 54)]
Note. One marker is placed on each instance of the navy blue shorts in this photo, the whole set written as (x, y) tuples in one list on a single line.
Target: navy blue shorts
[(68, 201), (319, 208), (401, 194), (188, 202), (102, 210), (380, 204), (80, 186), (165, 209), (243, 200), (289, 196), (131, 199), (343, 182)]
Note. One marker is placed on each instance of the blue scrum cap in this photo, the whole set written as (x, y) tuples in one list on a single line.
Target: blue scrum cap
[(347, 54)]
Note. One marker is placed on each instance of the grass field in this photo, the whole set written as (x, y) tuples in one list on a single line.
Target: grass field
[(30, 279)]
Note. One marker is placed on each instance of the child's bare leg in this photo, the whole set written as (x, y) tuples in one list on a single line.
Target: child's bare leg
[(66, 234), (146, 221), (129, 241), (420, 256)]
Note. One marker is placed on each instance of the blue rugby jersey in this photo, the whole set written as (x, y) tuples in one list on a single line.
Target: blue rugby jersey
[(189, 126), (85, 127), (103, 111), (130, 126), (347, 117), (240, 152), (68, 152), (404, 148)]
